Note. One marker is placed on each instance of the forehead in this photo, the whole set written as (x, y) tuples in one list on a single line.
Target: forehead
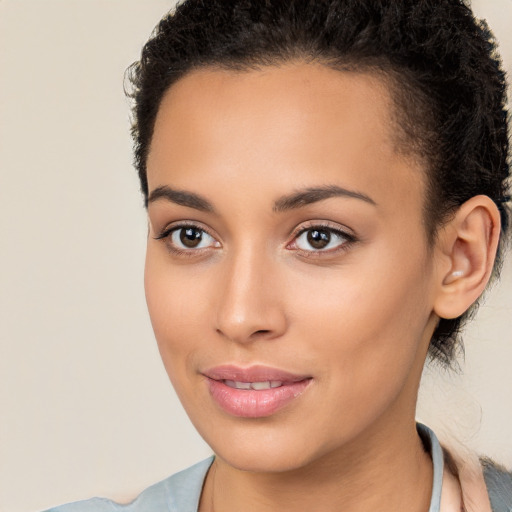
[(297, 123), (294, 98)]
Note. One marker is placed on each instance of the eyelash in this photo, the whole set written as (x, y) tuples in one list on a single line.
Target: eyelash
[(349, 239), (166, 237)]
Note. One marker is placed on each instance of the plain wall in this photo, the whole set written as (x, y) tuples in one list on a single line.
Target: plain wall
[(86, 407)]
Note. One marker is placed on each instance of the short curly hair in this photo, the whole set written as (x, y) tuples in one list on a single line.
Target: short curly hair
[(441, 64)]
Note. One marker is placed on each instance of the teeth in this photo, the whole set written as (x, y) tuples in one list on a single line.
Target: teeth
[(257, 386), (237, 385), (260, 385)]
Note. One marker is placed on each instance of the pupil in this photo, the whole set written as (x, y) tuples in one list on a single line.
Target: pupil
[(319, 239), (190, 237)]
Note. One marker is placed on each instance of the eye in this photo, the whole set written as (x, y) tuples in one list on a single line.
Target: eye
[(321, 239), (187, 238)]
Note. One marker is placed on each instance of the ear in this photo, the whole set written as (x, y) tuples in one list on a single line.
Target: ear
[(466, 250)]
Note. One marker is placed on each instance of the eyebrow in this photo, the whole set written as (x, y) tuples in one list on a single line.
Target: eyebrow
[(289, 202), (182, 198), (312, 195)]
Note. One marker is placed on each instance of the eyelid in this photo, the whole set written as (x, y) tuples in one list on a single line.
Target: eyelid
[(173, 226), (166, 234), (323, 224), (333, 227)]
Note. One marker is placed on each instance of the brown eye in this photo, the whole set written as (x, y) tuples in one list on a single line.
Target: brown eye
[(187, 238), (318, 238), (190, 237), (321, 239)]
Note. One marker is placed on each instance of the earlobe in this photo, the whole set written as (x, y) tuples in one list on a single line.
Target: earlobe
[(468, 248)]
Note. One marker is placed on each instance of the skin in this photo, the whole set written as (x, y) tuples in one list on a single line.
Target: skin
[(357, 317)]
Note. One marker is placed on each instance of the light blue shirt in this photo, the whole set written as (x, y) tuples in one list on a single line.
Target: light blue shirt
[(181, 492), (178, 493)]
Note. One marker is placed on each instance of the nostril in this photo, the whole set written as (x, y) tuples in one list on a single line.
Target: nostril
[(261, 332)]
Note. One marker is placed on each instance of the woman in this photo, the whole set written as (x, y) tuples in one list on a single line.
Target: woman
[(326, 185)]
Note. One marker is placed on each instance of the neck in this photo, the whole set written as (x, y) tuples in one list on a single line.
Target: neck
[(385, 469)]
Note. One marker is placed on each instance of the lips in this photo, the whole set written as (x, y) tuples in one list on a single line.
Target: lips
[(255, 392)]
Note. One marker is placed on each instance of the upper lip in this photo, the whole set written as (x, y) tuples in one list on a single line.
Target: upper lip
[(256, 373)]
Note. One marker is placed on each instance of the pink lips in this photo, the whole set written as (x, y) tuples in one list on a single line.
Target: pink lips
[(254, 392)]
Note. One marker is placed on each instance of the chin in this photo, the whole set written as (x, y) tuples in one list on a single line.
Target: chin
[(258, 459), (265, 448)]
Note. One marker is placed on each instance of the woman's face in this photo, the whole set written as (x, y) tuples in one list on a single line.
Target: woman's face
[(288, 277)]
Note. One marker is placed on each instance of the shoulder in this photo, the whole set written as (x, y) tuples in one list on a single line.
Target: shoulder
[(499, 485), (486, 486), (180, 492)]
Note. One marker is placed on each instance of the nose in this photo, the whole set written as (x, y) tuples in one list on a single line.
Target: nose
[(250, 305)]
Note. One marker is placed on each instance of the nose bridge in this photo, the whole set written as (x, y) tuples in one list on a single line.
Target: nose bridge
[(248, 304)]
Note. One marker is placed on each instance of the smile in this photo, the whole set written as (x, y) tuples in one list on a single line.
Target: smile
[(255, 392), (258, 386)]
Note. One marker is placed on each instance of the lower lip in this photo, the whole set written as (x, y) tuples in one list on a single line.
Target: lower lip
[(250, 403)]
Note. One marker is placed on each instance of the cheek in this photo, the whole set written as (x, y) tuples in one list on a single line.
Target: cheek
[(372, 318), (175, 304), (367, 346)]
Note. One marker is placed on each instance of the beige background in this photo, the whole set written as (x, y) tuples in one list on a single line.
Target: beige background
[(85, 405)]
